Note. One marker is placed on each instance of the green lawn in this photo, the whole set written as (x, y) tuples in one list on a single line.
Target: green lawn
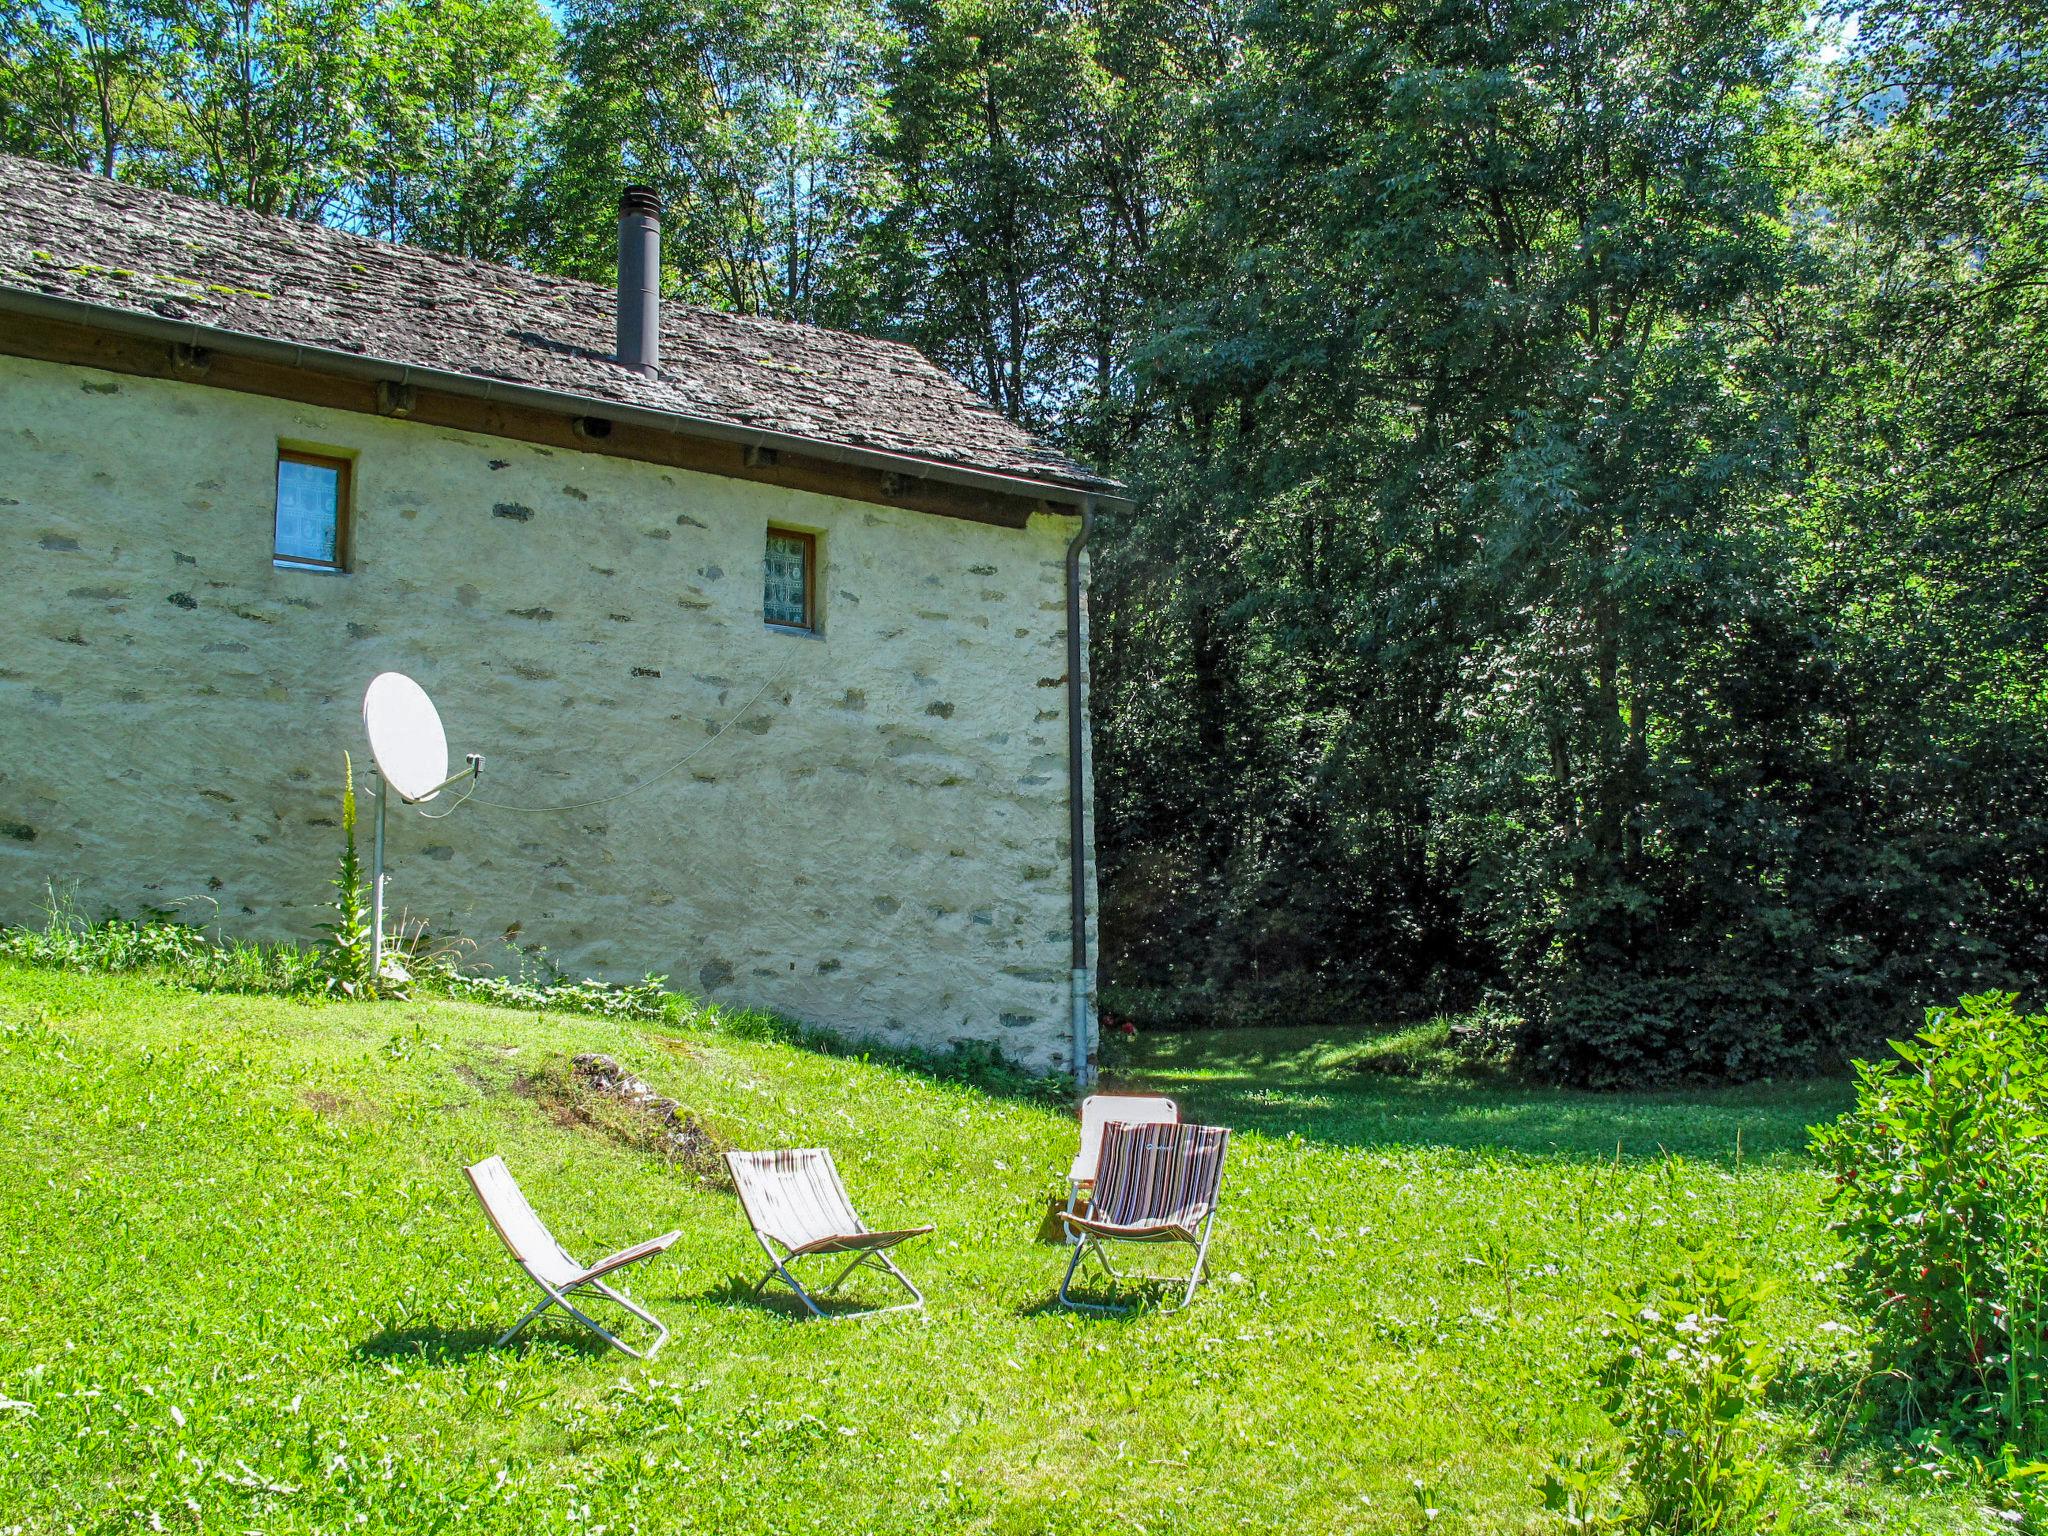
[(247, 1289)]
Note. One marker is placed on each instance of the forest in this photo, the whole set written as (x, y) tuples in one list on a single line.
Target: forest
[(1589, 568)]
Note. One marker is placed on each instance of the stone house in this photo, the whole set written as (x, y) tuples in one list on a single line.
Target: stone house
[(771, 636)]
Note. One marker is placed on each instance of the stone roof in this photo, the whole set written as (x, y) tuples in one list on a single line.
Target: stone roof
[(75, 236)]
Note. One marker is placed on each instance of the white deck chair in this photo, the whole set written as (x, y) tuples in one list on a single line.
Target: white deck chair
[(1098, 1110), (535, 1250), (795, 1199)]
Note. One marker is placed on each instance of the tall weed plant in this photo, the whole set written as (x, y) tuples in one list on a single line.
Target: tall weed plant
[(1941, 1188), (348, 953)]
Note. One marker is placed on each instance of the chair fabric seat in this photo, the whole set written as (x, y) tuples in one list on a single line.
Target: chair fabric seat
[(1155, 1182), (852, 1242), (548, 1264), (625, 1256), (1134, 1232)]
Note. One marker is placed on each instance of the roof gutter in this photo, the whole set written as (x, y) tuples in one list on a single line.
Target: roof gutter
[(1077, 805), (293, 354)]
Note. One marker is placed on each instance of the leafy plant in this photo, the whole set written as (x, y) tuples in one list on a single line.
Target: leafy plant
[(1684, 1386), (349, 951), (1583, 1490), (1941, 1188), (541, 984)]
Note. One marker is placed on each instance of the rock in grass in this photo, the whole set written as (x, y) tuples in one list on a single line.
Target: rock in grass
[(653, 1119)]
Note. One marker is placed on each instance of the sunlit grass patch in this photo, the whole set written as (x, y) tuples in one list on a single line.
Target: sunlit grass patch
[(248, 1289)]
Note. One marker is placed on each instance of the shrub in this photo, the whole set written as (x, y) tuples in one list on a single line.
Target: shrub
[(1941, 1188), (1684, 1387)]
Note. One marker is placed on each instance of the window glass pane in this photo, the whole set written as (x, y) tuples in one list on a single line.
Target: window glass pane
[(787, 573), (308, 511)]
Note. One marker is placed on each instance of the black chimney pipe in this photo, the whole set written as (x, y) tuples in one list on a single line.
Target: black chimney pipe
[(640, 278)]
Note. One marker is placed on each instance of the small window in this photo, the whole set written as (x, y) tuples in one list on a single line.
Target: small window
[(312, 511), (789, 597)]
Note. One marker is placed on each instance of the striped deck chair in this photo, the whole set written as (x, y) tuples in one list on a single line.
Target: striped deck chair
[(1098, 1110), (794, 1199), (1153, 1184), (534, 1249)]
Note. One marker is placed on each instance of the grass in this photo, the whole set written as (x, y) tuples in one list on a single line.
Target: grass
[(246, 1288)]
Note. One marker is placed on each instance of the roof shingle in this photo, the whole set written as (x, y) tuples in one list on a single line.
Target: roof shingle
[(75, 236)]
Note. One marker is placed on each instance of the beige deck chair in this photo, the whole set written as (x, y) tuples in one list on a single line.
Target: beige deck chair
[(794, 1199), (1153, 1184), (535, 1250), (1098, 1110)]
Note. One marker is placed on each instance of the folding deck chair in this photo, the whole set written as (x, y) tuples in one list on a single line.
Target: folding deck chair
[(535, 1250), (1153, 1184), (795, 1199), (1098, 1110)]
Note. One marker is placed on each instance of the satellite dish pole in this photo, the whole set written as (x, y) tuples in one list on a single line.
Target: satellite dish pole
[(411, 753)]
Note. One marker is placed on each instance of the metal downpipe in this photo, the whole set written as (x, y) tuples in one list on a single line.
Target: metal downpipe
[(1077, 808)]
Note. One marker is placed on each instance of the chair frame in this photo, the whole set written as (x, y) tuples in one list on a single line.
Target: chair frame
[(555, 1298), (869, 1258), (1089, 1244), (589, 1282), (866, 1254)]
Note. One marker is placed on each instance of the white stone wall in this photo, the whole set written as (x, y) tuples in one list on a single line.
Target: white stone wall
[(878, 844)]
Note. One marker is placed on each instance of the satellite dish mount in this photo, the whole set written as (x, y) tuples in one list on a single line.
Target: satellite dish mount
[(411, 753)]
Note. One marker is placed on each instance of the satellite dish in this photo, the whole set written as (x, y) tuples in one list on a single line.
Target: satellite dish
[(411, 751), (406, 737)]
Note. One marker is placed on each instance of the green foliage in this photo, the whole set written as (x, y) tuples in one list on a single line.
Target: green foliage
[(1685, 1386), (541, 985), (755, 124), (159, 943), (457, 99), (1558, 575), (78, 80), (414, 119), (1941, 1189)]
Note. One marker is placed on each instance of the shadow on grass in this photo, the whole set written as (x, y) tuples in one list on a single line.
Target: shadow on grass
[(1134, 1300), (431, 1344), (968, 1063), (777, 1302), (1303, 1083)]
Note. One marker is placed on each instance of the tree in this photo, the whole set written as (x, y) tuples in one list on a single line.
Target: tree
[(265, 106), (457, 99), (752, 121), (79, 80)]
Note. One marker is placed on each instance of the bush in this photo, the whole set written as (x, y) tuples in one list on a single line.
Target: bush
[(1941, 1188), (1684, 1386)]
